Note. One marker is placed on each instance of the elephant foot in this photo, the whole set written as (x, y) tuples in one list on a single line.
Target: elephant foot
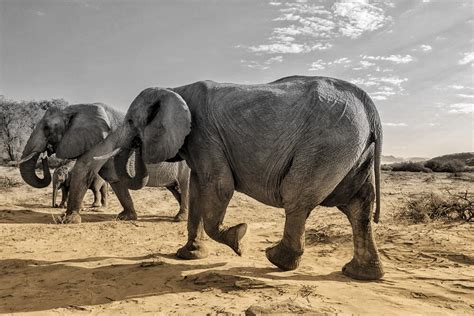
[(181, 216), (363, 271), (72, 218), (234, 238), (127, 216), (96, 204), (283, 257), (55, 205), (193, 250)]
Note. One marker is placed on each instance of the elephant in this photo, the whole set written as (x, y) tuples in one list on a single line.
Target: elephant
[(295, 143), (62, 180), (71, 133)]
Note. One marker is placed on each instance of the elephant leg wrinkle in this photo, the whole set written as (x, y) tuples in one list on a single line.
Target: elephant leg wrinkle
[(366, 264)]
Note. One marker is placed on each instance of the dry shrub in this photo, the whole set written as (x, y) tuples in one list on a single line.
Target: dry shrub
[(453, 206), (7, 183), (446, 166), (410, 166)]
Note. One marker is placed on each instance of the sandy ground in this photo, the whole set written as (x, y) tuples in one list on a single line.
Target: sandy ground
[(103, 266)]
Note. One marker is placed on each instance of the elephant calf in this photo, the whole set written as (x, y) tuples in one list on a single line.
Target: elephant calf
[(62, 180)]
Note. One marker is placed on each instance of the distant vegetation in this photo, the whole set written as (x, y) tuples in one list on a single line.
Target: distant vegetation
[(461, 162), (17, 121)]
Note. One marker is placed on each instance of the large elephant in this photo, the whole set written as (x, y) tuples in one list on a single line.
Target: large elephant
[(62, 180), (294, 143), (71, 133)]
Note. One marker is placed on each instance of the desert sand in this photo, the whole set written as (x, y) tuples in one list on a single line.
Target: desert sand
[(104, 266)]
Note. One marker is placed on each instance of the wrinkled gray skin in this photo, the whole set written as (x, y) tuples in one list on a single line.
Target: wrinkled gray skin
[(295, 143), (62, 180), (74, 131)]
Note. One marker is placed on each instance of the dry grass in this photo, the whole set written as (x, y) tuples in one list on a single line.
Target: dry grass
[(7, 182), (426, 207)]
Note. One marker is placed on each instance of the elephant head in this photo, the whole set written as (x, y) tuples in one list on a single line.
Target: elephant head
[(155, 126), (69, 133)]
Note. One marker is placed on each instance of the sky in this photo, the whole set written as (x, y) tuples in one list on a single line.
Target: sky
[(415, 58)]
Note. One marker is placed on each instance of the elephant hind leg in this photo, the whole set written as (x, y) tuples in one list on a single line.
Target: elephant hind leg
[(104, 192), (183, 212), (366, 264), (97, 198)]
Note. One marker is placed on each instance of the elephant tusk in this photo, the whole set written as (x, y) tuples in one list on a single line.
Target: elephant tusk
[(27, 157), (108, 155)]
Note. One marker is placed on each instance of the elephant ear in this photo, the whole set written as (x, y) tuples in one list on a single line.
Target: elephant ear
[(168, 124), (88, 125)]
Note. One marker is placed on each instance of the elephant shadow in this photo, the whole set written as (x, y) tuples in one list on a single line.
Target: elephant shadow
[(32, 285), (36, 285), (29, 216)]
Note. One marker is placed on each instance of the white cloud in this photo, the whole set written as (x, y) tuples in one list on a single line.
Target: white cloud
[(395, 124), (39, 13), (276, 59), (262, 66), (317, 65), (281, 48), (397, 59), (467, 59), (381, 88), (468, 96), (358, 17), (456, 87), (311, 27), (343, 60), (461, 108), (423, 48)]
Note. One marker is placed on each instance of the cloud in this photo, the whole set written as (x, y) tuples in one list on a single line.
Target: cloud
[(262, 65), (303, 27), (468, 96), (381, 88), (320, 64), (467, 59), (456, 87), (461, 108), (397, 59), (317, 65), (395, 124), (39, 13), (358, 17), (423, 48)]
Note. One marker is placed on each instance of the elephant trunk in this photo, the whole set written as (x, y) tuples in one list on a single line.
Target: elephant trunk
[(121, 161), (55, 192), (27, 171)]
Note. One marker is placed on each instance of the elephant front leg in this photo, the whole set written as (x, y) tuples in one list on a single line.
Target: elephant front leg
[(366, 264), (64, 194), (125, 200), (195, 247), (287, 253)]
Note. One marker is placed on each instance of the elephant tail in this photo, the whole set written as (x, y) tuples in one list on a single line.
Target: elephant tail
[(377, 163)]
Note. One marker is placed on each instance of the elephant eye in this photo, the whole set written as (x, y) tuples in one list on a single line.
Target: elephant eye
[(153, 111)]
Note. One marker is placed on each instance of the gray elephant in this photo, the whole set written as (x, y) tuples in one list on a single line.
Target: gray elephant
[(70, 133), (294, 143), (62, 180)]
